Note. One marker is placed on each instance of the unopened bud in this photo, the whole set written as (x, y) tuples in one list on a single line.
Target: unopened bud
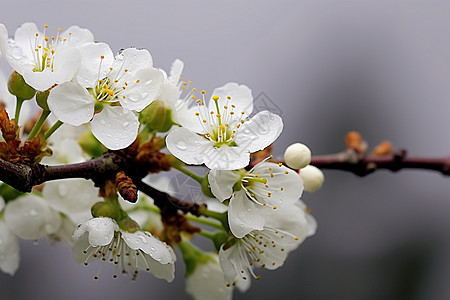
[(312, 178), (19, 88), (105, 209), (89, 143), (297, 156), (127, 224), (41, 99), (157, 116)]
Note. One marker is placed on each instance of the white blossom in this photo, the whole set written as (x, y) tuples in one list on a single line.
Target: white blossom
[(297, 156), (208, 282), (107, 92), (312, 177), (255, 195), (31, 218), (267, 248), (221, 135), (101, 238), (9, 250), (44, 60)]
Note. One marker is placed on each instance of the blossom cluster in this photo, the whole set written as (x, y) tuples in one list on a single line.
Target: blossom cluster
[(97, 102)]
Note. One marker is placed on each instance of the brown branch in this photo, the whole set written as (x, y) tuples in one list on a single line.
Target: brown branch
[(362, 165)]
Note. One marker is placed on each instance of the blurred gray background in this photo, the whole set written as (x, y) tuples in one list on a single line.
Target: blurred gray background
[(379, 67)]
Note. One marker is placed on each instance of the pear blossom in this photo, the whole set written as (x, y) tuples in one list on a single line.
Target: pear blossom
[(312, 177), (107, 92), (297, 156), (102, 238), (267, 248), (208, 282), (31, 218), (255, 195), (221, 135), (9, 247), (41, 59)]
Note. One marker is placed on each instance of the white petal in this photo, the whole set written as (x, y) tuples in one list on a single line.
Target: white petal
[(241, 97), (244, 215), (77, 36), (207, 282), (5, 96), (187, 146), (234, 265), (132, 60), (226, 158), (100, 230), (115, 127), (175, 71), (9, 250), (261, 131), (31, 218), (25, 36), (185, 116), (73, 197), (149, 244), (71, 103), (222, 182), (142, 93), (92, 67)]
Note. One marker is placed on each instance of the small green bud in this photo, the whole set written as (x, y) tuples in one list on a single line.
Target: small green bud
[(105, 209), (157, 116), (91, 145), (127, 224), (19, 88), (41, 99)]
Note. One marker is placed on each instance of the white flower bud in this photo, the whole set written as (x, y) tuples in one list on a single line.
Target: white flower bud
[(297, 156), (312, 178)]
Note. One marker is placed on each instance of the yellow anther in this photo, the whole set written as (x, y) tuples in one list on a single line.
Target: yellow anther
[(242, 112), (102, 57), (199, 101), (204, 121), (232, 105), (123, 97), (274, 207), (264, 204), (181, 79), (37, 34), (53, 37), (197, 114), (242, 121), (183, 88), (126, 70), (137, 81), (258, 277), (271, 174), (270, 169), (70, 33), (46, 26), (226, 107), (126, 83), (46, 38), (266, 186), (110, 69), (189, 82), (109, 92), (46, 49), (282, 188), (212, 112), (286, 172), (296, 238), (256, 175), (203, 92), (194, 90), (238, 125), (269, 194), (59, 29), (228, 97), (271, 156), (231, 112), (253, 195), (193, 96), (218, 115), (215, 98), (226, 125), (185, 83), (280, 164), (53, 51), (116, 80)]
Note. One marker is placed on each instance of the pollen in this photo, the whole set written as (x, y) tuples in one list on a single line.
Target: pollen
[(215, 98), (109, 92), (203, 92), (275, 207), (228, 97), (137, 81), (193, 96), (197, 113), (280, 164), (102, 57)]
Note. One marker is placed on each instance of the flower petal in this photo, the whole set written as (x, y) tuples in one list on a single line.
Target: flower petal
[(77, 36), (149, 244), (244, 215), (31, 218), (241, 97), (100, 231), (131, 60), (71, 103), (222, 182), (175, 71), (92, 66), (187, 146), (235, 266), (145, 89), (9, 250), (261, 131), (115, 127), (226, 158)]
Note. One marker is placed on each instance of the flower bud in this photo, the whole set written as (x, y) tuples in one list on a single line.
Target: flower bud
[(312, 178), (297, 156), (19, 88), (89, 143), (41, 99), (105, 209), (157, 116)]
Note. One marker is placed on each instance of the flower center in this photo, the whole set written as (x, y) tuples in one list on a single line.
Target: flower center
[(44, 49), (221, 125)]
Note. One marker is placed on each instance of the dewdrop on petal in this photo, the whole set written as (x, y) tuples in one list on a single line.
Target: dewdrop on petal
[(297, 156), (312, 178)]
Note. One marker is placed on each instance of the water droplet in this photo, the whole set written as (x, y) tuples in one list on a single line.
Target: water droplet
[(32, 212), (153, 249), (62, 189), (125, 124), (143, 239), (102, 121), (253, 137), (14, 51), (181, 145)]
